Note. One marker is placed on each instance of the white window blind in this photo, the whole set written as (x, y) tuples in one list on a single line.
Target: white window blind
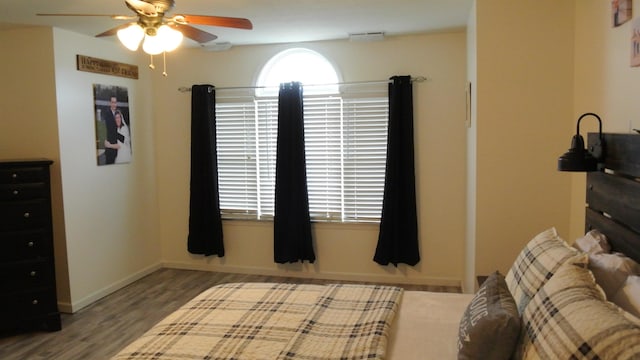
[(365, 154), (267, 128), (345, 152), (237, 161), (323, 136)]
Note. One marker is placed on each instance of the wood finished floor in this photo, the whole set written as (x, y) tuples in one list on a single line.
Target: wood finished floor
[(100, 330)]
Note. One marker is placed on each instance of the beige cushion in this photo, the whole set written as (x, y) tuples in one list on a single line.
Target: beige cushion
[(612, 270), (490, 325), (569, 319), (628, 297), (593, 242), (535, 265)]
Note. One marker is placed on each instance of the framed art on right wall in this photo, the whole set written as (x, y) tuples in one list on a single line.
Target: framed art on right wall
[(621, 11)]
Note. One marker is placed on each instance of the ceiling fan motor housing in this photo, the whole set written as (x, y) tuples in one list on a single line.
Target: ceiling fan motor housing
[(162, 6), (151, 23), (151, 8)]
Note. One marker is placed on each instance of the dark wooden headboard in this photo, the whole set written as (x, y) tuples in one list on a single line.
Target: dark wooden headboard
[(613, 194)]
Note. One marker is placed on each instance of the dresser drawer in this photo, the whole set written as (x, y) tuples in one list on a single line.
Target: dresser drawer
[(25, 275), (9, 192), (21, 215), (23, 175), (27, 304), (24, 245)]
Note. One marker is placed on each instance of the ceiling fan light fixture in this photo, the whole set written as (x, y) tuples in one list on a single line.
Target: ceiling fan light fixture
[(152, 45), (131, 36), (159, 34), (169, 37)]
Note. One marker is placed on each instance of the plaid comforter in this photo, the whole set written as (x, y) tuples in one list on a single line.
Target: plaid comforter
[(274, 321)]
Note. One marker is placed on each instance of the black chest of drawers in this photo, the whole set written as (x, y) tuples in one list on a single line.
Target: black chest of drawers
[(27, 273)]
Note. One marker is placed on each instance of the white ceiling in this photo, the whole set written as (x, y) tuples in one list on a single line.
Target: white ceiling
[(274, 21)]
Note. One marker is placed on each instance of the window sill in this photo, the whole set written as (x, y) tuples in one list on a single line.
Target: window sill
[(314, 223)]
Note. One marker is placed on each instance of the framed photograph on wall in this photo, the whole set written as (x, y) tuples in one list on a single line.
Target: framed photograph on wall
[(113, 124), (635, 42), (621, 11)]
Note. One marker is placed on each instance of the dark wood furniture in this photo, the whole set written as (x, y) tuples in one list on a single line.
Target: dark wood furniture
[(613, 193), (27, 274)]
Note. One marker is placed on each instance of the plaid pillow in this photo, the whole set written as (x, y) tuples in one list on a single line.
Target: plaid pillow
[(535, 265), (569, 319)]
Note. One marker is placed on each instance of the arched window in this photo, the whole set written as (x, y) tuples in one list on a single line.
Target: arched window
[(345, 143), (298, 64)]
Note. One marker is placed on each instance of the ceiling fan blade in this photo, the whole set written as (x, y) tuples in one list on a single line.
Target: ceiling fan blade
[(195, 33), (222, 21), (112, 31), (115, 17)]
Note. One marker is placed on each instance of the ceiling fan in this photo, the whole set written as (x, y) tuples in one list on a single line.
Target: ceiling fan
[(159, 33)]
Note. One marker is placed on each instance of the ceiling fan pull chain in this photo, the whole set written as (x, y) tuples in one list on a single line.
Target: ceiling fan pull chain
[(164, 63), (151, 66)]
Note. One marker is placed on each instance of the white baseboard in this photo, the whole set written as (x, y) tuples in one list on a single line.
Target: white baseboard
[(75, 306), (97, 295), (394, 279)]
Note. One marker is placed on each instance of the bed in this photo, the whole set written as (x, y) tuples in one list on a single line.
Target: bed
[(558, 300)]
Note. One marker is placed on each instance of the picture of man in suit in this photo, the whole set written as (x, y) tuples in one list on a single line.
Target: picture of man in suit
[(112, 131)]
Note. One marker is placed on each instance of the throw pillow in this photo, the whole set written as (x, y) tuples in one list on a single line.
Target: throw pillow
[(612, 270), (569, 319), (490, 326), (535, 265), (593, 242), (628, 297)]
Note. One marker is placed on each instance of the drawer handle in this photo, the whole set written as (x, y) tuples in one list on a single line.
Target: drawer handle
[(16, 192), (14, 175), (32, 273), (34, 302), (26, 215), (30, 244)]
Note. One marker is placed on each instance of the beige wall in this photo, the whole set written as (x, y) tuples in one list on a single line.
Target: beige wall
[(110, 211), (469, 282), (604, 83), (28, 128), (343, 251), (540, 65), (105, 224), (524, 103)]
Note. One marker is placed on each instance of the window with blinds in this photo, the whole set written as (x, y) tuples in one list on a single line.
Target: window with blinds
[(345, 148), (345, 134)]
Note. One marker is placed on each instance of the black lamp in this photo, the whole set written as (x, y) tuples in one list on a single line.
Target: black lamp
[(578, 158)]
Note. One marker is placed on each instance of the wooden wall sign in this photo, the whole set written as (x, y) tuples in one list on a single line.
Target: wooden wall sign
[(106, 67)]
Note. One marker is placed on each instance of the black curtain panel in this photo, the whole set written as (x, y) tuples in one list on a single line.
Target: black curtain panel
[(398, 237), (205, 223), (291, 223)]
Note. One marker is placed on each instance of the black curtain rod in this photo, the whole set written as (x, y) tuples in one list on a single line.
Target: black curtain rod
[(413, 79)]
